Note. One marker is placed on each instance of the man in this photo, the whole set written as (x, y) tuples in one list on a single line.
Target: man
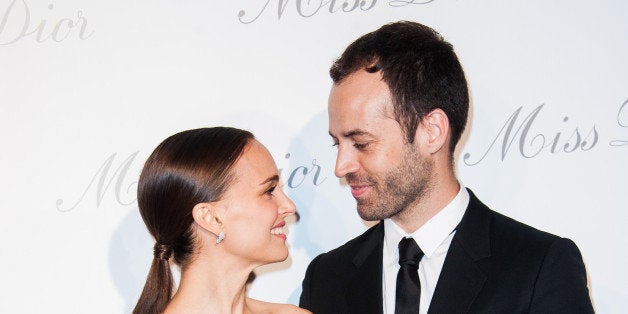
[(397, 109)]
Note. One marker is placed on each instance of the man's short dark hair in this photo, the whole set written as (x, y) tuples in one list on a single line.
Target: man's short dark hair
[(421, 70)]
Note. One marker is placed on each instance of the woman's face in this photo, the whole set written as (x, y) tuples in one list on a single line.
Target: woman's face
[(256, 208)]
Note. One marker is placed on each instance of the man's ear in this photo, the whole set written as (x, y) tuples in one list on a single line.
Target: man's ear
[(433, 131), (208, 217)]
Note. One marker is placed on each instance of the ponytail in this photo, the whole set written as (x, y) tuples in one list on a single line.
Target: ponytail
[(159, 284)]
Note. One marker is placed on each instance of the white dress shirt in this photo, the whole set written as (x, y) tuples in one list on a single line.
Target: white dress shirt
[(434, 238)]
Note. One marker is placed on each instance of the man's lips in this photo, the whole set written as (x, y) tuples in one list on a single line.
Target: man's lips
[(359, 190)]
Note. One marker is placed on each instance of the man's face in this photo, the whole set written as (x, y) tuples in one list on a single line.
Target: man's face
[(385, 172)]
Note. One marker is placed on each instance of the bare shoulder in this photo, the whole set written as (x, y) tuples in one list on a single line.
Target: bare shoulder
[(290, 309), (274, 308)]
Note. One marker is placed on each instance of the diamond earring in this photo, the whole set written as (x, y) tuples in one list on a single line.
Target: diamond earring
[(221, 236)]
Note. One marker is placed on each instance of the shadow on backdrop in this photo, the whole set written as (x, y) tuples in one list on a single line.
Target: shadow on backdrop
[(130, 256)]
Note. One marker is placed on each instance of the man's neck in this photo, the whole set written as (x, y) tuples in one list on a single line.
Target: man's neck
[(436, 197)]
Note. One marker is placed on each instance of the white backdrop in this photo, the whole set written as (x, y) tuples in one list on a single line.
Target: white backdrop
[(89, 88)]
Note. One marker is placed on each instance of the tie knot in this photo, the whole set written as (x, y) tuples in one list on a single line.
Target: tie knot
[(409, 252)]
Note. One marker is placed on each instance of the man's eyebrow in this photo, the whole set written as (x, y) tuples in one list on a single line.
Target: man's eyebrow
[(274, 178), (352, 133), (356, 132)]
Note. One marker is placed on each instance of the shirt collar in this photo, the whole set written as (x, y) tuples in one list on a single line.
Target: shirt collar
[(434, 231)]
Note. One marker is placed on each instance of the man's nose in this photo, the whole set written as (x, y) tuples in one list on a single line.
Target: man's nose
[(345, 163)]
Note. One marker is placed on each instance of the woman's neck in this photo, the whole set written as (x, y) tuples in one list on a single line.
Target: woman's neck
[(212, 286)]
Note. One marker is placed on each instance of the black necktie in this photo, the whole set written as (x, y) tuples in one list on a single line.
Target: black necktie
[(408, 286)]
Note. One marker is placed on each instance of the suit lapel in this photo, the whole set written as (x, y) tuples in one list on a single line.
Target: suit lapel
[(461, 279), (459, 283), (365, 295)]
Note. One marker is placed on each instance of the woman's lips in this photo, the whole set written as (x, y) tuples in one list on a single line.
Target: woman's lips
[(277, 230)]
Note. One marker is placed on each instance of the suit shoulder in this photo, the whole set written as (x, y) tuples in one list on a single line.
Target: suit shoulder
[(512, 229), (345, 252), (508, 237), (480, 222), (511, 235)]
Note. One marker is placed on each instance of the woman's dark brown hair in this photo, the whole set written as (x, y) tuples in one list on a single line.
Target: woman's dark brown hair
[(186, 169)]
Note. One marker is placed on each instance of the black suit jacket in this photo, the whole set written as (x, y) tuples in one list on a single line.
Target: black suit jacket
[(494, 265)]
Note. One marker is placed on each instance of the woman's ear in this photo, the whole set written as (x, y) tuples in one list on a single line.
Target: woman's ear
[(434, 129), (207, 216)]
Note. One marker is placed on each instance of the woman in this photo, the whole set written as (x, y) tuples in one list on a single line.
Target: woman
[(210, 199)]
